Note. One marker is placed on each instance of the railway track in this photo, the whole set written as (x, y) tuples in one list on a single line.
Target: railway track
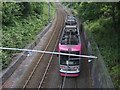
[(30, 80), (45, 68), (51, 58), (72, 83), (44, 80)]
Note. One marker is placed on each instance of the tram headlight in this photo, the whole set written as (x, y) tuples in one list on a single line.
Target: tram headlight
[(75, 67), (62, 67)]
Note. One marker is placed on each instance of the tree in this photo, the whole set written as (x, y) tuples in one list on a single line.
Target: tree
[(26, 9)]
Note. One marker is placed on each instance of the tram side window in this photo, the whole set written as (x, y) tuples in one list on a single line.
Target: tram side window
[(63, 59), (72, 52)]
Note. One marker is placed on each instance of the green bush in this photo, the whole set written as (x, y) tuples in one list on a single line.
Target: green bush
[(21, 24), (107, 40)]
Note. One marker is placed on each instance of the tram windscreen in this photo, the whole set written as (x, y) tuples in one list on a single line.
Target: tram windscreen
[(64, 60), (71, 52)]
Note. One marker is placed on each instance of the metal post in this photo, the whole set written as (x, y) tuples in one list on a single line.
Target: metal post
[(71, 7), (49, 12)]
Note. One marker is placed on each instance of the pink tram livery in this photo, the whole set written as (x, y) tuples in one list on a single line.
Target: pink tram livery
[(70, 42)]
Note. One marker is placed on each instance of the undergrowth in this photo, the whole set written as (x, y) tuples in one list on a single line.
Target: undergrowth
[(107, 40), (22, 32)]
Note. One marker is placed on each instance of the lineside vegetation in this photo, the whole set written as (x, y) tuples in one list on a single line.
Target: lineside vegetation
[(21, 22), (102, 20)]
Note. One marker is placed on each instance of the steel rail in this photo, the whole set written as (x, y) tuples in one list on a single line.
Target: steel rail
[(76, 84), (43, 78), (64, 80), (27, 81), (47, 66)]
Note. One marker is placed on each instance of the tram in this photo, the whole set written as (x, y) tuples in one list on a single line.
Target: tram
[(70, 42), (71, 22)]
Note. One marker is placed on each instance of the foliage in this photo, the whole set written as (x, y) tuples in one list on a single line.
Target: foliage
[(21, 22), (115, 73), (9, 14), (107, 39), (89, 11)]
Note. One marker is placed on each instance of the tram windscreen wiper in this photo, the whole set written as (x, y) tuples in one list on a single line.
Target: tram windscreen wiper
[(74, 58)]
